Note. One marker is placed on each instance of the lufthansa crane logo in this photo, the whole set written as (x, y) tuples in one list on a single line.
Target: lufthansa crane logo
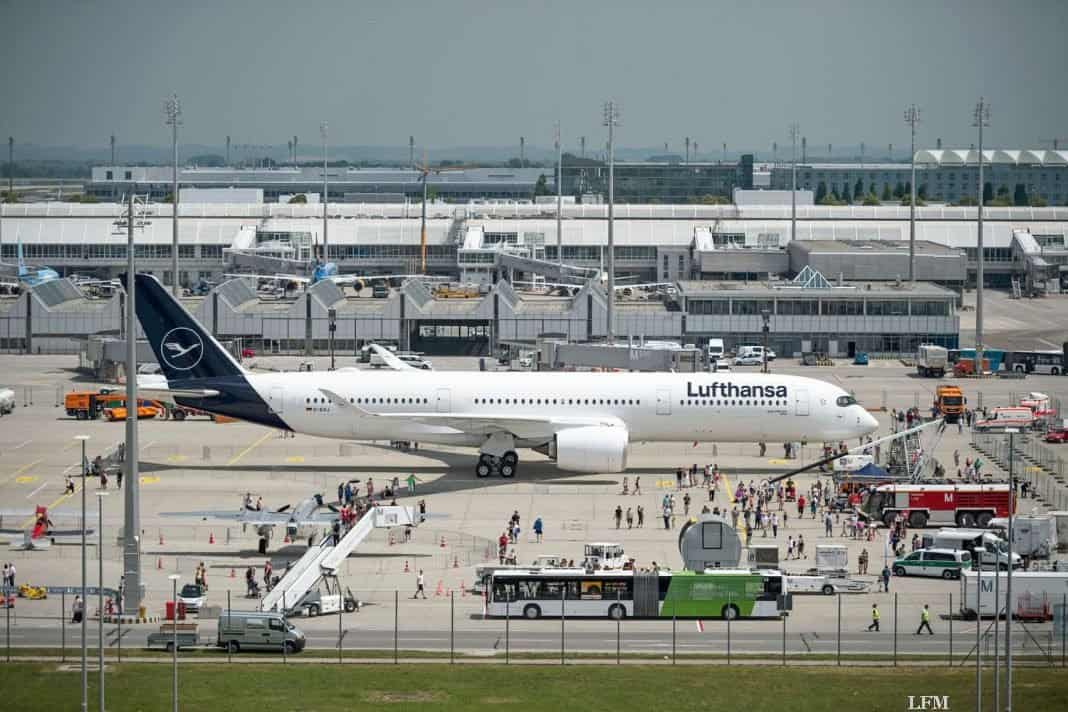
[(182, 348)]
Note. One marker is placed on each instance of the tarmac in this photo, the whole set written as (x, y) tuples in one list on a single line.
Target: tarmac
[(198, 464)]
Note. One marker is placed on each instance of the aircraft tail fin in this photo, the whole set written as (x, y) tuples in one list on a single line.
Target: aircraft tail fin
[(21, 262), (183, 347)]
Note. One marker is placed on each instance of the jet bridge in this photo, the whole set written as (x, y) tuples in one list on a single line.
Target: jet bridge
[(326, 558)]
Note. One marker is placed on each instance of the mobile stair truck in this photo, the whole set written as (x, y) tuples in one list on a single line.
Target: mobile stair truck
[(311, 586)]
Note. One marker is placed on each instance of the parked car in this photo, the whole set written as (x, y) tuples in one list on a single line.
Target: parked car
[(1060, 435), (193, 595), (748, 360), (942, 563)]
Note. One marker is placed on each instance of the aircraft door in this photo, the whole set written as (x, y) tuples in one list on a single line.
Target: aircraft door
[(800, 401), (444, 400), (276, 399), (663, 401)]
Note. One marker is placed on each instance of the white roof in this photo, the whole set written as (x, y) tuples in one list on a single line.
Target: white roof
[(970, 157)]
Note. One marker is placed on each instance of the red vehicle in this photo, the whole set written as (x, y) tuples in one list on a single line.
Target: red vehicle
[(248, 353), (1059, 435), (962, 505)]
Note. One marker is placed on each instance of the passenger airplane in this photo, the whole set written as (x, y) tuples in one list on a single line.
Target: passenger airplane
[(584, 421)]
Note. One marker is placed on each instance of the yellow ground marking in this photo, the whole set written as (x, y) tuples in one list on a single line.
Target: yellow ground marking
[(1033, 468), (727, 486), (176, 458), (778, 462), (22, 469), (26, 479), (665, 484), (233, 460), (295, 458), (148, 479), (55, 503)]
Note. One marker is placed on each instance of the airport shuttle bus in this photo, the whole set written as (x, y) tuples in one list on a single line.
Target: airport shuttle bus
[(939, 504), (628, 594)]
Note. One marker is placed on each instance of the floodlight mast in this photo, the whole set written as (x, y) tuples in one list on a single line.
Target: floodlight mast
[(981, 119), (912, 117), (795, 131), (172, 108), (611, 120)]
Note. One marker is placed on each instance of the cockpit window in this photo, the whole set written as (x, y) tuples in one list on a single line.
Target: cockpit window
[(846, 401)]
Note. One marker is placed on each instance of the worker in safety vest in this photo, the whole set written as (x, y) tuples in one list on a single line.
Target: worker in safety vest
[(925, 620), (874, 618)]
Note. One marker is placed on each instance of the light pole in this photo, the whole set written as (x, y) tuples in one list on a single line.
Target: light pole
[(100, 591), (1008, 581), (85, 669), (981, 120), (611, 120), (766, 316), (131, 498), (912, 117), (322, 132), (173, 109), (794, 132), (174, 640), (559, 200), (332, 314)]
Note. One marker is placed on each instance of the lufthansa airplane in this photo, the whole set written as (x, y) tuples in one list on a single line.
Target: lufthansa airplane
[(583, 421)]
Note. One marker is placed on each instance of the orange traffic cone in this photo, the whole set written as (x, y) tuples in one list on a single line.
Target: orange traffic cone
[(440, 589), (232, 574), (161, 538), (286, 540), (211, 537), (159, 562), (391, 537), (455, 562), (463, 590), (406, 570), (442, 541)]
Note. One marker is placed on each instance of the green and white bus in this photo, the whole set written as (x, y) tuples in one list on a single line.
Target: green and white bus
[(576, 593)]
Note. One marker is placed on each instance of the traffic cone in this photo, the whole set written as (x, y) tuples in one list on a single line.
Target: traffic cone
[(161, 538), (455, 562), (463, 590), (232, 574), (391, 537), (406, 570), (286, 540), (211, 537), (442, 541), (159, 562), (440, 591)]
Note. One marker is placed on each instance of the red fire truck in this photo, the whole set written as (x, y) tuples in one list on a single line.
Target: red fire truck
[(939, 504)]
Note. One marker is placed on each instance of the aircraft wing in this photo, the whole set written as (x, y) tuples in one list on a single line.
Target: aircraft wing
[(271, 277), (247, 516), (524, 427)]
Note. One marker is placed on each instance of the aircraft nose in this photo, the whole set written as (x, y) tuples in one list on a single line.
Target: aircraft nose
[(867, 421)]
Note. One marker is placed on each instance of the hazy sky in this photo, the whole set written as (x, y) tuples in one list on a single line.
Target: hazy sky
[(469, 73)]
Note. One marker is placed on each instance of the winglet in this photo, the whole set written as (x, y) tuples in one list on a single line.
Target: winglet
[(390, 359)]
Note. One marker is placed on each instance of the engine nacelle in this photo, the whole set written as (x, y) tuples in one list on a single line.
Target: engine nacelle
[(592, 449)]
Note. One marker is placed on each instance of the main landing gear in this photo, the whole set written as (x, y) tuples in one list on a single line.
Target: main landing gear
[(506, 465)]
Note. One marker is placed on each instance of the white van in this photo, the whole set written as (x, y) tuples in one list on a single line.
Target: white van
[(757, 351), (714, 350), (995, 549)]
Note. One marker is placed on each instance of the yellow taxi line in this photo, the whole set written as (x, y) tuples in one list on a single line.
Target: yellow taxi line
[(22, 469), (55, 503), (730, 498), (250, 448)]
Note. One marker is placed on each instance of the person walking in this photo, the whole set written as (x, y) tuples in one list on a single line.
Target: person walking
[(800, 546), (420, 587), (267, 569), (925, 620), (538, 529), (619, 516), (412, 479), (886, 579), (630, 518), (828, 525), (641, 516), (774, 525), (77, 610), (637, 485), (118, 478), (874, 618), (686, 504)]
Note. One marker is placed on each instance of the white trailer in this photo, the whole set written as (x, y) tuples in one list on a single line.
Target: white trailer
[(7, 401), (931, 360), (1034, 537), (1034, 593)]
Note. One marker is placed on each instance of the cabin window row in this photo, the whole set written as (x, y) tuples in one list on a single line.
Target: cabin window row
[(558, 401)]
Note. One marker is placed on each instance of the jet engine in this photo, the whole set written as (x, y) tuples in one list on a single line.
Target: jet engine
[(592, 449)]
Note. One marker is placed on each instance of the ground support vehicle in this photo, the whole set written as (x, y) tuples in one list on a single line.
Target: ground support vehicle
[(187, 635)]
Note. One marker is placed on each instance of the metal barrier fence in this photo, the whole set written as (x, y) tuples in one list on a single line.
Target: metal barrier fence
[(394, 625), (1033, 461)]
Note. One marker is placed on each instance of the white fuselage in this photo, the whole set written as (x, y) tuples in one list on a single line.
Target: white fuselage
[(724, 407)]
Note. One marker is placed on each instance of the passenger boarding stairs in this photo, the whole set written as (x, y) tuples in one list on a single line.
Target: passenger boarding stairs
[(325, 558)]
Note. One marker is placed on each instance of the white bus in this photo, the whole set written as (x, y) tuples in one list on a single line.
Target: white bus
[(624, 594)]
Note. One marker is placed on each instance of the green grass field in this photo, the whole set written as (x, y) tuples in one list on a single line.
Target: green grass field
[(322, 687)]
